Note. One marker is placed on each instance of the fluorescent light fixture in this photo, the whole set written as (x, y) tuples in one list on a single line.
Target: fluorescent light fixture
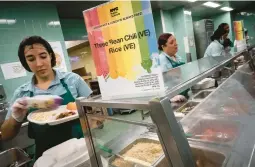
[(11, 21), (227, 9), (8, 21), (3, 21), (211, 4), (187, 12), (243, 13), (54, 23), (191, 0)]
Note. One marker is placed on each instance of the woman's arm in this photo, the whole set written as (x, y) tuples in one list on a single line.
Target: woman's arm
[(10, 128), (14, 118)]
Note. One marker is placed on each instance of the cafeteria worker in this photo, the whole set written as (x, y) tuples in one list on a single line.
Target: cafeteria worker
[(37, 56), (216, 47), (168, 59)]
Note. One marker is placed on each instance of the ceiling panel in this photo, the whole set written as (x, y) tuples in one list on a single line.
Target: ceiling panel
[(73, 9), (68, 9)]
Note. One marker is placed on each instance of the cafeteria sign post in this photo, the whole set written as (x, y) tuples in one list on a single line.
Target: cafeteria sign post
[(123, 43)]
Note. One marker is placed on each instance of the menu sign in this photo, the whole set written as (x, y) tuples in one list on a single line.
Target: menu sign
[(123, 43), (240, 41), (238, 29)]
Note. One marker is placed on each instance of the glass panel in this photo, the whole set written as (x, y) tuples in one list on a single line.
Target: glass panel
[(173, 78), (120, 143), (225, 119), (186, 72)]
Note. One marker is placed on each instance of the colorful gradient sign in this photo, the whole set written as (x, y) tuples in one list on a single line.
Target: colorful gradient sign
[(238, 29), (123, 43)]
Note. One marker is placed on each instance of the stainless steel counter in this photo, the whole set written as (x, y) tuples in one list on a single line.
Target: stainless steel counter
[(178, 151)]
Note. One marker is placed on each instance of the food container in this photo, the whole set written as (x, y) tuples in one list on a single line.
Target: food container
[(156, 163), (14, 157), (214, 131), (205, 84), (186, 108), (44, 101), (203, 157), (177, 105), (202, 95)]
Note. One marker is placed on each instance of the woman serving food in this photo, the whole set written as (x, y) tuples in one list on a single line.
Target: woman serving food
[(37, 56), (168, 59)]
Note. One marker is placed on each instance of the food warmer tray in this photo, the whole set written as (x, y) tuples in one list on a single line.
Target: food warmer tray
[(15, 157), (156, 163)]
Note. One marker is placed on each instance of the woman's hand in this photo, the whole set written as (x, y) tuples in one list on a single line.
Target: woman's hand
[(178, 98), (19, 109)]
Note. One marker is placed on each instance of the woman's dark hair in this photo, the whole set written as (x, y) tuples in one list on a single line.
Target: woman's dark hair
[(222, 25), (217, 34), (162, 40), (228, 43), (34, 40)]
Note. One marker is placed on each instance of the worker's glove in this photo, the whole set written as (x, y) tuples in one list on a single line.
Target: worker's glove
[(19, 109), (178, 98)]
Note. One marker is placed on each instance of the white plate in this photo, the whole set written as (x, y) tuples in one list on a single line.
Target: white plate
[(51, 120)]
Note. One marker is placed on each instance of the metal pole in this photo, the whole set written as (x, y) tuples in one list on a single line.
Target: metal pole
[(95, 159), (171, 135)]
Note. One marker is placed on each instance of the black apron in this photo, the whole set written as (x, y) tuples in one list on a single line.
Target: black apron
[(47, 136)]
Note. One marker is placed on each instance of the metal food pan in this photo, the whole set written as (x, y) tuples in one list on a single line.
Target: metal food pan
[(202, 94), (13, 157), (176, 105), (188, 104), (225, 132), (206, 157), (128, 147)]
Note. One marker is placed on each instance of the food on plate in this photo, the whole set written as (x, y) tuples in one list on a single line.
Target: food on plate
[(145, 151), (118, 162), (65, 114), (42, 116), (71, 106)]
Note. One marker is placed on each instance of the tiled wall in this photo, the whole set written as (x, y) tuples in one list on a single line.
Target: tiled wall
[(224, 18), (30, 19), (73, 29), (168, 21), (179, 30), (157, 22), (180, 24)]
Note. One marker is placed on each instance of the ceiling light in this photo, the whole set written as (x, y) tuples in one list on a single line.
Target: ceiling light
[(227, 9), (8, 21), (11, 21), (3, 21), (191, 0), (211, 4), (187, 12), (243, 13), (54, 23)]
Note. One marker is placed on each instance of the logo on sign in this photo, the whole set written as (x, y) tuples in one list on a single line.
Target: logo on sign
[(114, 11)]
